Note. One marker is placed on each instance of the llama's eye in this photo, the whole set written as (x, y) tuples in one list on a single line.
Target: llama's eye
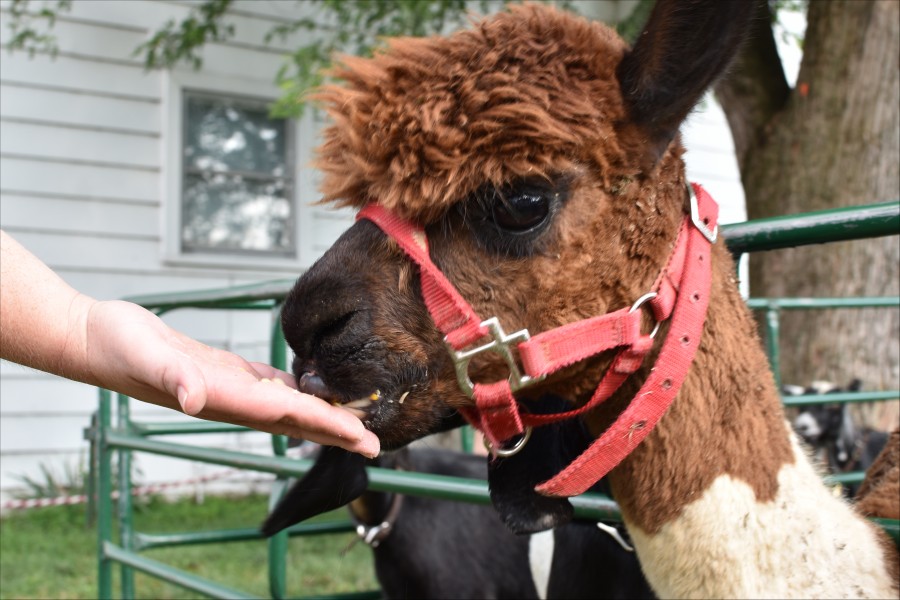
[(521, 213), (513, 219)]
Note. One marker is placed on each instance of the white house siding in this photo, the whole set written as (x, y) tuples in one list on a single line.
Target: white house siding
[(84, 175), (83, 179)]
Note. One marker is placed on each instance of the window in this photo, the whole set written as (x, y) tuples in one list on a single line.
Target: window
[(238, 188), (237, 182)]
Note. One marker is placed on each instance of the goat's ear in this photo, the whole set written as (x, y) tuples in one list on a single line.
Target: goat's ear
[(336, 478), (684, 47)]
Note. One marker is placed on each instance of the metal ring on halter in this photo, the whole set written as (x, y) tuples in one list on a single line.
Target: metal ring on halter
[(505, 452), (639, 302)]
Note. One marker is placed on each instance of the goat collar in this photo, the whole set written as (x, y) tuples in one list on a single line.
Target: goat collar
[(681, 291), (373, 535)]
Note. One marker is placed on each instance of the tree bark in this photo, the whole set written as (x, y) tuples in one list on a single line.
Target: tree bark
[(832, 141)]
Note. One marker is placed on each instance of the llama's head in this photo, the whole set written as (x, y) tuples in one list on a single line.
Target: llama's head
[(540, 155)]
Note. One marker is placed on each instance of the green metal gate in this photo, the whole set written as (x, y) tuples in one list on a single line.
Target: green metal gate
[(125, 436)]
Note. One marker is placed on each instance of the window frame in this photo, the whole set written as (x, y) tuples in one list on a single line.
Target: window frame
[(178, 85)]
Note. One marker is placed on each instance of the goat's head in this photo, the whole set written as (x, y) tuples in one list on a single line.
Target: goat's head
[(821, 424), (537, 152)]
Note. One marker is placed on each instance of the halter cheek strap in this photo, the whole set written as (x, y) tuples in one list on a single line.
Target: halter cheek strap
[(681, 291)]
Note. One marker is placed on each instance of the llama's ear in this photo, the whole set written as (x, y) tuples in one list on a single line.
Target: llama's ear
[(684, 47)]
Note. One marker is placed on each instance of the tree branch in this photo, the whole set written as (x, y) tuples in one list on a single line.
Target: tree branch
[(756, 89)]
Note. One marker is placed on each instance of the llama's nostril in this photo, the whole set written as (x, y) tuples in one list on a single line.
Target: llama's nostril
[(310, 383)]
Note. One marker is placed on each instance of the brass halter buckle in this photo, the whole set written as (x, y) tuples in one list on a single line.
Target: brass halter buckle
[(501, 344)]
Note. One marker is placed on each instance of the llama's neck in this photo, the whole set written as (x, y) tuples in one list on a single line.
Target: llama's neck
[(803, 543), (722, 502), (726, 420)]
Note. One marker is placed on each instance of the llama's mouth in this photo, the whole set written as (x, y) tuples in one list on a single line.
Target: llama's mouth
[(363, 408)]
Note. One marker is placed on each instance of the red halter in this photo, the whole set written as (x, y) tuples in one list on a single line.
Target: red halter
[(681, 291)]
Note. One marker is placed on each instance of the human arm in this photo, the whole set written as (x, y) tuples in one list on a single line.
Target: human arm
[(48, 325)]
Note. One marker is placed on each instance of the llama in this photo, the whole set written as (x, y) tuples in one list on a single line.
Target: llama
[(877, 496), (533, 161)]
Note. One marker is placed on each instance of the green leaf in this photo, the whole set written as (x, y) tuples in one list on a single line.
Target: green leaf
[(30, 27)]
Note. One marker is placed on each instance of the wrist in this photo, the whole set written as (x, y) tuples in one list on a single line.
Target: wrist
[(75, 360)]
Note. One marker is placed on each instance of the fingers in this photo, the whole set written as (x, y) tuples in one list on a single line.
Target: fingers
[(270, 405), (314, 419), (270, 372), (368, 445), (317, 416)]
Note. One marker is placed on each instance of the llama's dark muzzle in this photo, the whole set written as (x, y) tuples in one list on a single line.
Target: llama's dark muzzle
[(309, 382), (364, 343)]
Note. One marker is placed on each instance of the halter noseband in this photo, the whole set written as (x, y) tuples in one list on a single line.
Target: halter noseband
[(681, 292)]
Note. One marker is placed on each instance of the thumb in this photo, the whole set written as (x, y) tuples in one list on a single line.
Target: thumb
[(183, 380)]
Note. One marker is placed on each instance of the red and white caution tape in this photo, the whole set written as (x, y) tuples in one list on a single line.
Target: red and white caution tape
[(141, 490)]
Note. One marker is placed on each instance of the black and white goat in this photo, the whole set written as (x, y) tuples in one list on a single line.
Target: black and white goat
[(430, 548), (830, 430)]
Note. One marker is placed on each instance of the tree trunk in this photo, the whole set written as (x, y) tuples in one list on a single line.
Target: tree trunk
[(832, 141)]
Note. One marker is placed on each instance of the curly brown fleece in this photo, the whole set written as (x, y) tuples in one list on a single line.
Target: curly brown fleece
[(530, 92)]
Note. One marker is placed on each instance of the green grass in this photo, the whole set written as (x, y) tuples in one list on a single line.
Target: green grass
[(50, 553)]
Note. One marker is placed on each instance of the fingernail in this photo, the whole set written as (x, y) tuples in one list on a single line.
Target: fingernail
[(182, 397), (370, 446)]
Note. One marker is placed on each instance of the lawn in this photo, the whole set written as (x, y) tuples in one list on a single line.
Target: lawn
[(51, 553)]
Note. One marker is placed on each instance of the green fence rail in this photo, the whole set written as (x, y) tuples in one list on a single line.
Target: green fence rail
[(127, 435)]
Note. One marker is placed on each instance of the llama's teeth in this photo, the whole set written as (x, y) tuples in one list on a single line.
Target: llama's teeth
[(403, 397), (359, 414), (361, 403)]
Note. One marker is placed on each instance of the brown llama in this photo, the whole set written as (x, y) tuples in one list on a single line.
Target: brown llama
[(877, 496), (535, 161)]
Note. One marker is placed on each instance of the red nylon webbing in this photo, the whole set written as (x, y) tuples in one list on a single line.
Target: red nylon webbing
[(451, 313), (497, 412), (625, 363), (552, 350), (661, 387)]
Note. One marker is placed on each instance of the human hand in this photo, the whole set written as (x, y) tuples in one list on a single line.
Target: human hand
[(132, 351)]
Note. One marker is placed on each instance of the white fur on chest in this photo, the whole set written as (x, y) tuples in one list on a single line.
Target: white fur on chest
[(804, 544)]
